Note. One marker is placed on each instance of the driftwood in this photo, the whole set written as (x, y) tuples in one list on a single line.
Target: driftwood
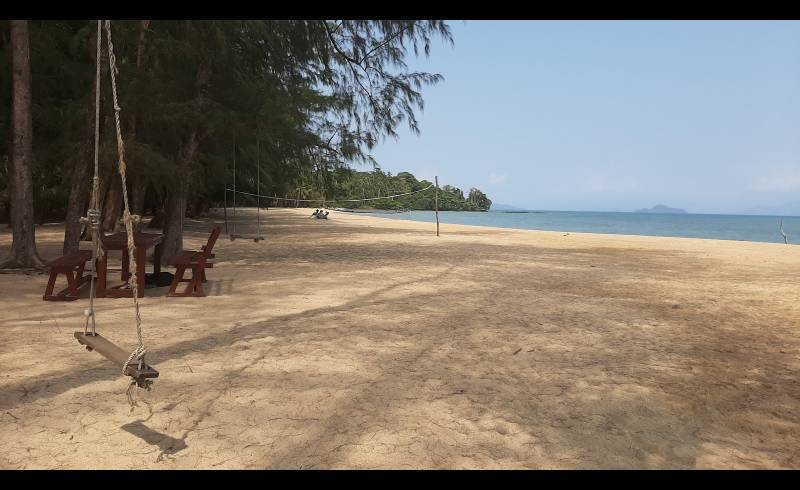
[(785, 238)]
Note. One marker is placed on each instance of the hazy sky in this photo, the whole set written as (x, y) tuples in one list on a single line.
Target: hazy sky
[(612, 116)]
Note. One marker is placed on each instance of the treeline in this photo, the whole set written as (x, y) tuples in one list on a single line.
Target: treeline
[(348, 184), (297, 102), (358, 185)]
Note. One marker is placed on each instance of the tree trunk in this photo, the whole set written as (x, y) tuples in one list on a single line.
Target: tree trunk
[(80, 195), (158, 218), (197, 207), (77, 200), (138, 193), (9, 190), (80, 188), (112, 207), (4, 209), (138, 181), (202, 206), (175, 210), (23, 245)]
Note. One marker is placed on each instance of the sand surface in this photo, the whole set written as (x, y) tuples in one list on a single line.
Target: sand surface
[(362, 342)]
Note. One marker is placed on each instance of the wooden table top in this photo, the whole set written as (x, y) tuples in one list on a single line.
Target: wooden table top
[(140, 239)]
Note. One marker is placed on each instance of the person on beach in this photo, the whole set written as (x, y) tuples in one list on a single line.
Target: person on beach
[(315, 213)]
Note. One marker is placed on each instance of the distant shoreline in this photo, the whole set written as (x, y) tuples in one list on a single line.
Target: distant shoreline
[(744, 228)]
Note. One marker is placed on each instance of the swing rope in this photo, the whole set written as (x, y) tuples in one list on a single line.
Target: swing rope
[(92, 218), (127, 217)]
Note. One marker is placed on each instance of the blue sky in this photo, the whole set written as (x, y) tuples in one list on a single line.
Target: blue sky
[(612, 116)]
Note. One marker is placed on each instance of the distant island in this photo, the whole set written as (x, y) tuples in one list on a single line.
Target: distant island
[(661, 209), (505, 207)]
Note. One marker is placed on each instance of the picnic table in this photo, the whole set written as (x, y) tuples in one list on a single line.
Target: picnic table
[(119, 241)]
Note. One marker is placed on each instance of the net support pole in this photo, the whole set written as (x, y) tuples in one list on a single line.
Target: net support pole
[(436, 200), (234, 184), (258, 180), (225, 207)]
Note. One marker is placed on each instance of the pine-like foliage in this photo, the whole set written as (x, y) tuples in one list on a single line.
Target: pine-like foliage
[(297, 100)]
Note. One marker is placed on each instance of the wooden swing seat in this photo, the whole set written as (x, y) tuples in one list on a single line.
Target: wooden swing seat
[(107, 349), (247, 237)]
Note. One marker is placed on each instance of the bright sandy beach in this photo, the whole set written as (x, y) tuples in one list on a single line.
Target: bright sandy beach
[(361, 342)]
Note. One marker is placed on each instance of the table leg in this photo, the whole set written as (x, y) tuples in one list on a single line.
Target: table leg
[(126, 265), (157, 257), (101, 267), (141, 256)]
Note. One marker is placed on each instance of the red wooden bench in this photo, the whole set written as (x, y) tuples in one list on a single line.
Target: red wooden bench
[(197, 261), (72, 266)]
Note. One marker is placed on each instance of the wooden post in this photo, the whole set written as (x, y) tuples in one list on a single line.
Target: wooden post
[(258, 192), (436, 194), (785, 238), (234, 185), (225, 207)]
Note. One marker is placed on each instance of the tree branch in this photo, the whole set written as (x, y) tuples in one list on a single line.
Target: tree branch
[(387, 41)]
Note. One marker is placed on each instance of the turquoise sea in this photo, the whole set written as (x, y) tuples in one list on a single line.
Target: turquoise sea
[(715, 226)]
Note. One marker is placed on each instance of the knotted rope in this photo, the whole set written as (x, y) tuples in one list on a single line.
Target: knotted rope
[(139, 352), (92, 218)]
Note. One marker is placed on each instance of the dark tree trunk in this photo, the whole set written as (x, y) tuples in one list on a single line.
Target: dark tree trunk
[(174, 212), (4, 210), (9, 190), (81, 185), (75, 205), (158, 219), (157, 223), (138, 181), (175, 209), (23, 245), (112, 206), (201, 207), (138, 193), (197, 207), (191, 209)]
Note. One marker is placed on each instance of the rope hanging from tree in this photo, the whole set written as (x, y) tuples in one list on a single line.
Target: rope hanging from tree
[(127, 217), (93, 215)]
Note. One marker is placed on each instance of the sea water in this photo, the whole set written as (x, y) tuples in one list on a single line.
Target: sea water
[(714, 226)]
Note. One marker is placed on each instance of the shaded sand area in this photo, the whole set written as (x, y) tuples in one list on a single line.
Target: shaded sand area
[(362, 342)]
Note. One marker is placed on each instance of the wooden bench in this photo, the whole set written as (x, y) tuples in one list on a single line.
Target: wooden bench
[(197, 262), (72, 266)]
